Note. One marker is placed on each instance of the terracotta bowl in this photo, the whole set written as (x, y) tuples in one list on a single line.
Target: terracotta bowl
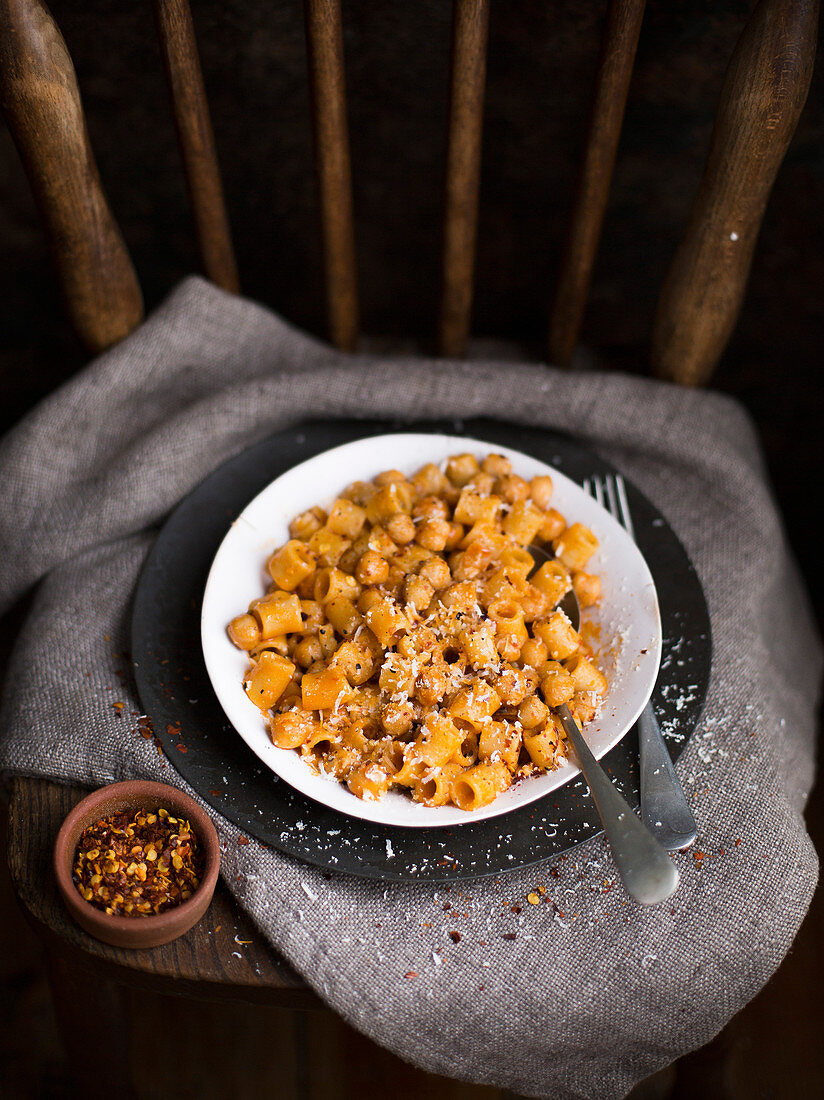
[(136, 794)]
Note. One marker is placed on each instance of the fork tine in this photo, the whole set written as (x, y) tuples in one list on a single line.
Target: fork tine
[(626, 515), (599, 490), (614, 511)]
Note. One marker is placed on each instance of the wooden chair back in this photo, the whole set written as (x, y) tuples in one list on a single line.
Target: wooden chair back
[(764, 91)]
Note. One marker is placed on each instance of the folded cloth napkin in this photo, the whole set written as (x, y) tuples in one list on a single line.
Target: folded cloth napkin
[(579, 1005)]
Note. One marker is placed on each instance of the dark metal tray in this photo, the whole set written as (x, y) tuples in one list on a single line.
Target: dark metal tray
[(197, 738)]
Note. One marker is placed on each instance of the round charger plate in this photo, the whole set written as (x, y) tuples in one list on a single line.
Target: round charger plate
[(202, 745), (626, 617)]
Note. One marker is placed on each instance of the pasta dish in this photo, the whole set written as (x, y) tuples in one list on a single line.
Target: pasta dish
[(410, 640)]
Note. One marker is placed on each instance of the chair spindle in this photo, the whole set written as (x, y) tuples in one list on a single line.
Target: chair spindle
[(42, 105), (763, 94), (470, 30), (618, 47), (324, 36), (196, 139)]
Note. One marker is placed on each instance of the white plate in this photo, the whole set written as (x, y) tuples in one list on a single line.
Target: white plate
[(627, 615)]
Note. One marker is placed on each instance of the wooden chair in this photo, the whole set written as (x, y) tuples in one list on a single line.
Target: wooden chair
[(763, 94)]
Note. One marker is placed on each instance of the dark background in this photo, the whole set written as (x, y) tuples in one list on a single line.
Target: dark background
[(542, 59)]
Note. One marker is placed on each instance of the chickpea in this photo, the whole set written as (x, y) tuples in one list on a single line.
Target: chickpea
[(372, 568), (540, 489), (308, 651), (418, 592), (460, 468), (400, 528), (533, 712), (436, 571), (512, 488), (496, 465), (433, 534)]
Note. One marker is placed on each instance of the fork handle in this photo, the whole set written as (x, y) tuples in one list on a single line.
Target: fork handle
[(647, 872), (664, 807)]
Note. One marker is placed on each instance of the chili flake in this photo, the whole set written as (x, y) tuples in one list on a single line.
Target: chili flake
[(137, 864)]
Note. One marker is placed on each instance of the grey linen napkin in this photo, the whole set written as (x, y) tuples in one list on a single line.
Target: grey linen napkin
[(593, 993)]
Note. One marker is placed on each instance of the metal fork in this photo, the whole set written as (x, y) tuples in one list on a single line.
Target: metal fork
[(664, 808)]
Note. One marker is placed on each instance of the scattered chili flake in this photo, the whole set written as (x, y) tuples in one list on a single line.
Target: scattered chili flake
[(455, 937), (542, 889), (181, 748), (411, 974), (738, 841), (118, 706), (533, 899), (173, 730), (137, 864), (508, 936), (516, 909), (215, 794), (243, 841)]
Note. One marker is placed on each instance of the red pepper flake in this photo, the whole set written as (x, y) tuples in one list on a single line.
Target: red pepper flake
[(118, 706), (181, 748), (482, 943), (738, 841), (410, 974), (146, 734), (481, 988), (242, 841), (516, 909), (137, 864), (508, 936), (215, 794), (455, 937), (447, 907), (173, 730)]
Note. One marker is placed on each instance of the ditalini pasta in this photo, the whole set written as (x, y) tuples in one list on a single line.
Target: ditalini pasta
[(408, 640)]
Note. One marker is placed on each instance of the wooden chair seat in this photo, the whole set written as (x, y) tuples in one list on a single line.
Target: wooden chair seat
[(208, 961)]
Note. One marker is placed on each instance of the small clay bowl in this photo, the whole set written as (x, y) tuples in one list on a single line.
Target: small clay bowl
[(152, 931)]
